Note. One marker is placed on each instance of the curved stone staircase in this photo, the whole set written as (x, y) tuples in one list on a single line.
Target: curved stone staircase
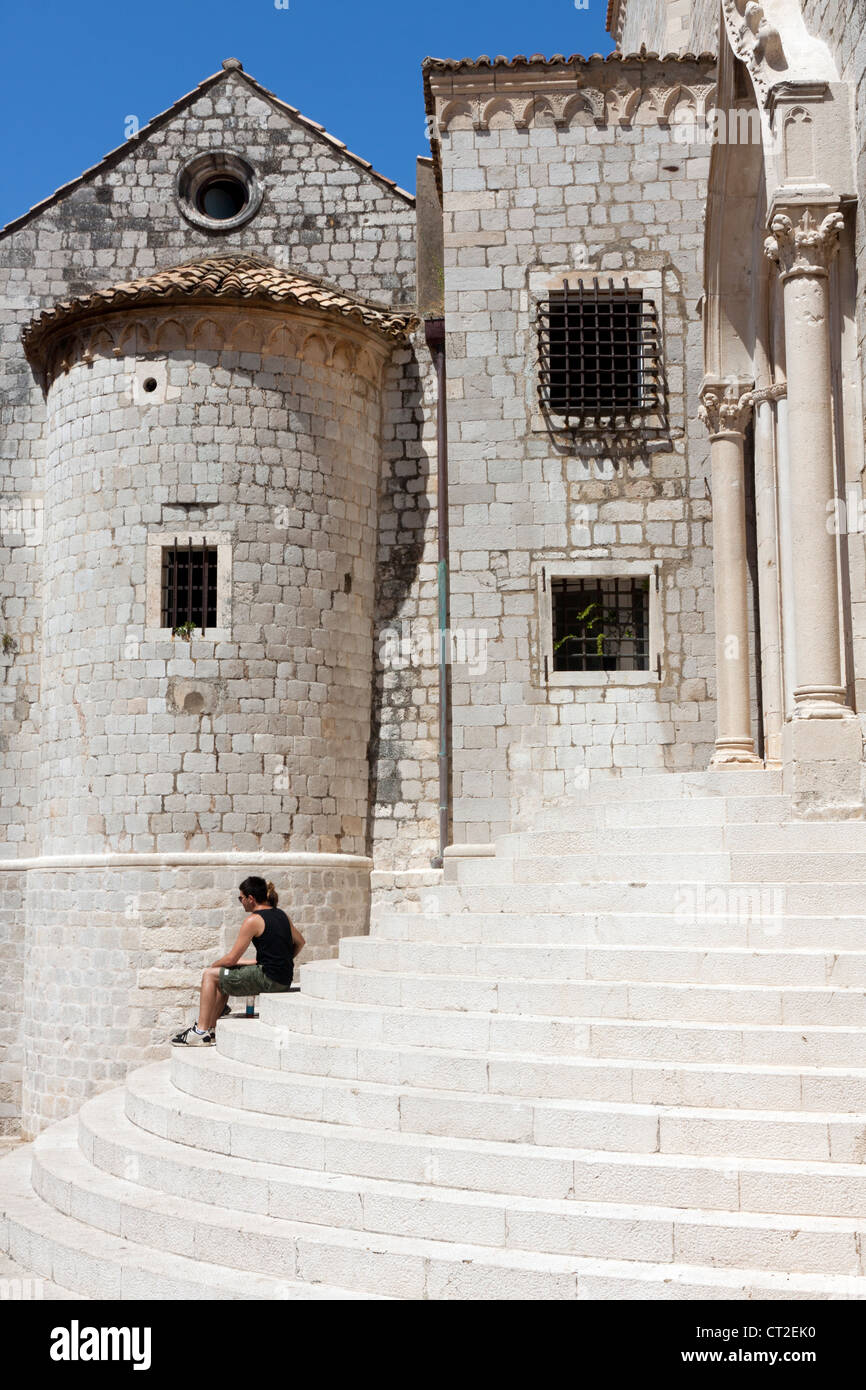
[(625, 1058)]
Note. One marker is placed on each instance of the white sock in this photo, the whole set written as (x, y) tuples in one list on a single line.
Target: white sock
[(201, 1031)]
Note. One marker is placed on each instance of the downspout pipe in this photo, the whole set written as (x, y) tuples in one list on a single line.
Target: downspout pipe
[(434, 332)]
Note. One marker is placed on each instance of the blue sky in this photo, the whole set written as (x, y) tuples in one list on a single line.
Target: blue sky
[(76, 71)]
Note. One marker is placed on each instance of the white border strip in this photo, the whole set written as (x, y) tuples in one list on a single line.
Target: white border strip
[(182, 860)]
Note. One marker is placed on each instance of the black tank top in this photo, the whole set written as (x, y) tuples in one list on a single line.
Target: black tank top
[(275, 948)]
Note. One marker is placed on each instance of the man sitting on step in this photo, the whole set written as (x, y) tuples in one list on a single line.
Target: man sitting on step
[(276, 942)]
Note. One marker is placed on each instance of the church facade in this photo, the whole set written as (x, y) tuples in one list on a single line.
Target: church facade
[(622, 318)]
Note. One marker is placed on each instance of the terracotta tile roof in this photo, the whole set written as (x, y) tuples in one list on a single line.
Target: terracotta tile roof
[(576, 60), (231, 67), (230, 278)]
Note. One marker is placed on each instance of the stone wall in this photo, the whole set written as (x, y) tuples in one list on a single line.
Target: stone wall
[(669, 26), (115, 954), (404, 766), (324, 213), (567, 194), (274, 458), (643, 22)]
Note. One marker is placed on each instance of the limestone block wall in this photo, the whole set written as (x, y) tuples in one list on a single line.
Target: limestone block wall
[(642, 21), (404, 767), (668, 26), (322, 212), (115, 954), (12, 957), (263, 441), (274, 455), (567, 190)]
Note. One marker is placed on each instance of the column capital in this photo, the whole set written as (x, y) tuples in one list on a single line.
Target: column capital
[(804, 231), (725, 406)]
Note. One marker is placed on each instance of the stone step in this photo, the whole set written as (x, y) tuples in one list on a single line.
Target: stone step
[(102, 1263), (667, 813), (687, 1003), (514, 1075), (572, 1225), (672, 868), (21, 1285), (670, 1040), (407, 1267), (673, 965), (805, 837), (749, 929), (617, 1126), (602, 784), (670, 814), (684, 898)]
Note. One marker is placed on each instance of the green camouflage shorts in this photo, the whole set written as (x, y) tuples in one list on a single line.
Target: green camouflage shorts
[(247, 980)]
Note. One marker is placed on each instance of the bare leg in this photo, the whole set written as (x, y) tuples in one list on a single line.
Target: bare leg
[(211, 1000)]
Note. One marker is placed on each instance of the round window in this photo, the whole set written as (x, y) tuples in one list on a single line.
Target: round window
[(222, 199), (218, 191)]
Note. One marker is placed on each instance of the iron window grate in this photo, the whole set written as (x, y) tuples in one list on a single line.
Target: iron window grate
[(599, 355), (600, 624), (189, 572)]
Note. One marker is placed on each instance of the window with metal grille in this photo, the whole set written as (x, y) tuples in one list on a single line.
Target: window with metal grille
[(189, 585), (599, 354), (600, 624)]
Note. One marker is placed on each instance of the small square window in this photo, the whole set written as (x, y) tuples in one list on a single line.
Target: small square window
[(600, 623), (189, 585), (599, 354)]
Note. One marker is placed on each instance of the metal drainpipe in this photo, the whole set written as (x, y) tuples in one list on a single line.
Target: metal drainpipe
[(434, 332)]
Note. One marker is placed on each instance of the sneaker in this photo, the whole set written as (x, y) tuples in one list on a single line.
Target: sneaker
[(226, 1010), (190, 1038)]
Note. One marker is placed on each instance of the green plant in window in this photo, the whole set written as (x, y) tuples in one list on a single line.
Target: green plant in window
[(601, 625), (589, 621), (184, 630)]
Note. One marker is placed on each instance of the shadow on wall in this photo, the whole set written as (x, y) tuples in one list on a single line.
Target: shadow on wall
[(404, 519)]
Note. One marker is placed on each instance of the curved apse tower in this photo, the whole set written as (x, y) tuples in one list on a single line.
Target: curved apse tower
[(211, 428)]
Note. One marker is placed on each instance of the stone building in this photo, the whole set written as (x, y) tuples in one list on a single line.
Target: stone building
[(586, 417)]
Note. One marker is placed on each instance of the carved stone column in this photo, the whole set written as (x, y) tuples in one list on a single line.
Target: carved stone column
[(767, 540), (803, 242), (725, 411), (821, 744)]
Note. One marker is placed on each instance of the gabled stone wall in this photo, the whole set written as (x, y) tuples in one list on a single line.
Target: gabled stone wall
[(323, 213)]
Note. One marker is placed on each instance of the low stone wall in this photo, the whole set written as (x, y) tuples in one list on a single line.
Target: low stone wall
[(11, 998), (409, 890), (115, 947)]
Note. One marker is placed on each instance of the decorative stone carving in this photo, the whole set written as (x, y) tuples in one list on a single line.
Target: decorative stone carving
[(798, 143), (553, 100), (754, 40), (805, 247), (777, 392), (725, 413), (302, 336)]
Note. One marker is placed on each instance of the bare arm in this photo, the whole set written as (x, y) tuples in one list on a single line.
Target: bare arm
[(298, 941), (252, 926)]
